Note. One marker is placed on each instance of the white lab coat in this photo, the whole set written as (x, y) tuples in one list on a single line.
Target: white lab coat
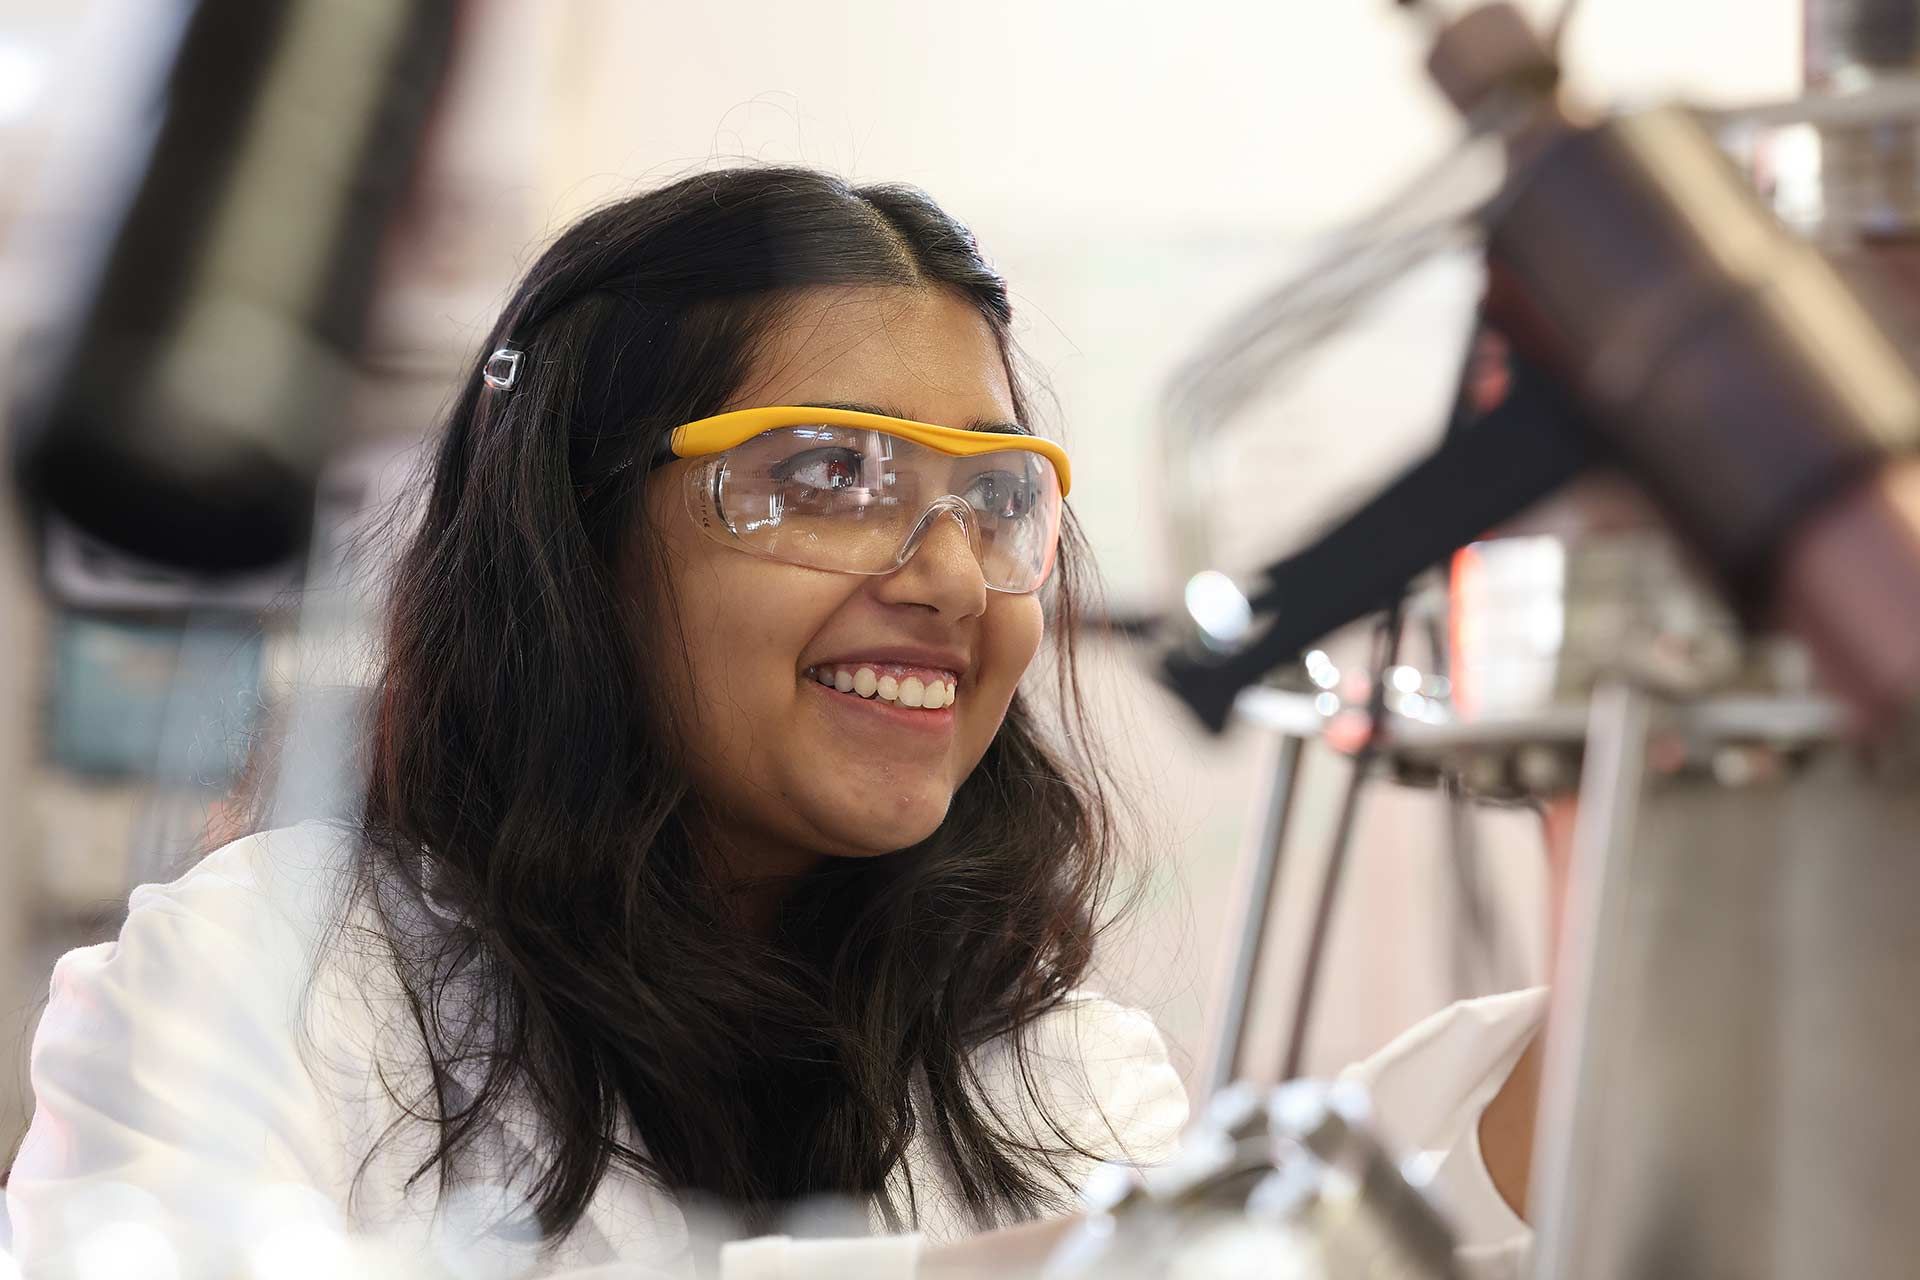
[(1430, 1087), (210, 1084)]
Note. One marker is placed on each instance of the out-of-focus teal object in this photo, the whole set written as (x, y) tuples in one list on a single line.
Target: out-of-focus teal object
[(153, 700)]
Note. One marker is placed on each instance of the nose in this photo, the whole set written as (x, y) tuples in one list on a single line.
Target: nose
[(942, 571)]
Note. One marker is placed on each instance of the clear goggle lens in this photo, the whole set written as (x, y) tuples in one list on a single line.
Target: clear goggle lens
[(855, 500)]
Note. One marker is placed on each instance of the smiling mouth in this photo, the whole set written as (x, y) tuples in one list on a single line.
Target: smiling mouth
[(916, 687)]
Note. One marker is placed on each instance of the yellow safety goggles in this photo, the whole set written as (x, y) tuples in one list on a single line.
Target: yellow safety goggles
[(854, 492)]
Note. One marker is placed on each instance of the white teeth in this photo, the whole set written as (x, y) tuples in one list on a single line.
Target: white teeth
[(911, 691)]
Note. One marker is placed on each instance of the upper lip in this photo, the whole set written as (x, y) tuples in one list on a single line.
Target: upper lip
[(902, 655)]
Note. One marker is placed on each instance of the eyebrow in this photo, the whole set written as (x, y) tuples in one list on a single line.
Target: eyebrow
[(977, 424)]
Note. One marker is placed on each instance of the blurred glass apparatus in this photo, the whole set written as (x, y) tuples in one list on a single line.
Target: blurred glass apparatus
[(854, 492)]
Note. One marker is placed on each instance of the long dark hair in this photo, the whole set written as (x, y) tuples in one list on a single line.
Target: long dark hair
[(527, 777)]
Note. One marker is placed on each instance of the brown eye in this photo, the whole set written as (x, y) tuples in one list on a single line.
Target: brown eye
[(825, 469), (1002, 494)]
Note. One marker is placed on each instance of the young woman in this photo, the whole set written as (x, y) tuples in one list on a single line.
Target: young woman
[(711, 851)]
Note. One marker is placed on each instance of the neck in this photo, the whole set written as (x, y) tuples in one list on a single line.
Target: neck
[(754, 877), (756, 905)]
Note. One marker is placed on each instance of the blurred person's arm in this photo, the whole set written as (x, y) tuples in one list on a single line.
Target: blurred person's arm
[(171, 1100)]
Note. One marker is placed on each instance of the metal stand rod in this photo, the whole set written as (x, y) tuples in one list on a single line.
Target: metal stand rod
[(1258, 905), (1610, 787)]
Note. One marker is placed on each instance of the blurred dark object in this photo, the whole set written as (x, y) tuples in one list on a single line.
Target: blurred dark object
[(1494, 461), (84, 574), (191, 402), (1723, 362), (1849, 39)]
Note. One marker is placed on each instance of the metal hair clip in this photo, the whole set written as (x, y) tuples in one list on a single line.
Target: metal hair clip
[(502, 369)]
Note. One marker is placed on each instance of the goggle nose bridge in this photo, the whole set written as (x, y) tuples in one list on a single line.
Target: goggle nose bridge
[(951, 504)]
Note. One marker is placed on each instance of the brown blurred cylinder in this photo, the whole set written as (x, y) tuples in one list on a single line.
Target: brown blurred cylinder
[(1726, 362)]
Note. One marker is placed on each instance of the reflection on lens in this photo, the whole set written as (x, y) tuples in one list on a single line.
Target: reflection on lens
[(854, 501)]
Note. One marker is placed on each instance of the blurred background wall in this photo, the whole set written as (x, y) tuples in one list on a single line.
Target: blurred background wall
[(1135, 170)]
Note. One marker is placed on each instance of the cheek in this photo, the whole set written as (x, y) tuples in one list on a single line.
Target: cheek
[(743, 621), (1014, 626)]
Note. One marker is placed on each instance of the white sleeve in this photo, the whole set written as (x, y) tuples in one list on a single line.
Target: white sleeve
[(1103, 1077), (171, 1099), (1141, 1099)]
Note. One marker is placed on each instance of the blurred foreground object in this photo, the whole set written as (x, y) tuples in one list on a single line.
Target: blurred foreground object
[(1286, 1184), (1680, 498), (188, 402), (1662, 319)]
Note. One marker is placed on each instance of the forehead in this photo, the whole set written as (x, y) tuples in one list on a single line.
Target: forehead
[(925, 354)]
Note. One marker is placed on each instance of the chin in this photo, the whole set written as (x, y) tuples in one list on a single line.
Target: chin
[(884, 834)]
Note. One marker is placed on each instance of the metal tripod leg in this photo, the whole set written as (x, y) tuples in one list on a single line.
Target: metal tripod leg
[(1257, 906), (1613, 774)]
